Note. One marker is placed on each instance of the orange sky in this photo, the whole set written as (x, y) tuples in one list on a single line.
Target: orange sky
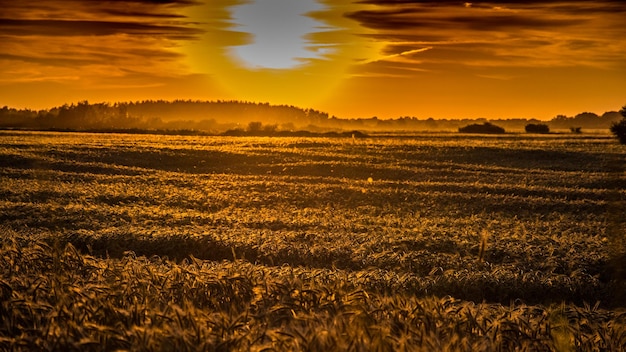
[(385, 58)]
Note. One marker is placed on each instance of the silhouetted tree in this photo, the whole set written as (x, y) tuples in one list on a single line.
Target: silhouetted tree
[(619, 128)]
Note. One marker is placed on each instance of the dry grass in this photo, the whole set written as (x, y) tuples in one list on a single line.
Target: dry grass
[(113, 242)]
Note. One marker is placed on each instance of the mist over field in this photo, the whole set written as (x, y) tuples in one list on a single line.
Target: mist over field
[(216, 117), (428, 242)]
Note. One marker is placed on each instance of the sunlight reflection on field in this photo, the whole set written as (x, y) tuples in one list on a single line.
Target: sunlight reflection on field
[(398, 218)]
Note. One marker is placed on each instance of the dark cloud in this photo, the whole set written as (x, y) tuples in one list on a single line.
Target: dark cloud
[(155, 2), (494, 33), (86, 28), (83, 39), (485, 3), (409, 37), (83, 17), (51, 61), (510, 21), (76, 57), (557, 6), (127, 13), (415, 18), (392, 19)]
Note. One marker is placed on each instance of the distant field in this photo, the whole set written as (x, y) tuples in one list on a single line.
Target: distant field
[(428, 242)]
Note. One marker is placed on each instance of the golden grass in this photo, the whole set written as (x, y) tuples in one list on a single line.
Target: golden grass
[(113, 242)]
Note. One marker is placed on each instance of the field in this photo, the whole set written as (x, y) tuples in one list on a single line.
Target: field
[(429, 242)]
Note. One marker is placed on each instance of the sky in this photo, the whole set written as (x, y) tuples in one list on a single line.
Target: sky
[(384, 58)]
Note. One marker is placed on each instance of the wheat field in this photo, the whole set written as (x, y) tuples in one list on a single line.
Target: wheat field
[(427, 242)]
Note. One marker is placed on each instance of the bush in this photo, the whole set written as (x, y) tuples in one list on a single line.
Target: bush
[(537, 128), (576, 129), (255, 126), (484, 128), (619, 130)]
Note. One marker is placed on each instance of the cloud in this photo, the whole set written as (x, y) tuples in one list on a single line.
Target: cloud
[(392, 57), (421, 45), (96, 18), (486, 18), (79, 39), (499, 33), (130, 13), (73, 28)]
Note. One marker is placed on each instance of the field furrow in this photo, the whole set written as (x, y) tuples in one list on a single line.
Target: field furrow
[(434, 241)]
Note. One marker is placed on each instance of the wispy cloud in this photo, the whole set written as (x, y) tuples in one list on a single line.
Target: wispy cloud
[(398, 49), (74, 28), (502, 33), (393, 57), (81, 41)]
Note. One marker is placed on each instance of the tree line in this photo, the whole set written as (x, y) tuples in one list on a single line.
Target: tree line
[(219, 116)]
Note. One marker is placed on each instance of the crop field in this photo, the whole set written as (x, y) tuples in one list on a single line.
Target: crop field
[(417, 243)]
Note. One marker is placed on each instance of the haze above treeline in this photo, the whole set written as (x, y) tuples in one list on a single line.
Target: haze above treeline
[(221, 116)]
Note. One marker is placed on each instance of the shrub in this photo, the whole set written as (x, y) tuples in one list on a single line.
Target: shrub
[(619, 130), (484, 128), (537, 128), (576, 129), (270, 129), (255, 126)]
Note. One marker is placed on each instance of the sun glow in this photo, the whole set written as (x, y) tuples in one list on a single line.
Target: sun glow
[(280, 44), (298, 60), (352, 59)]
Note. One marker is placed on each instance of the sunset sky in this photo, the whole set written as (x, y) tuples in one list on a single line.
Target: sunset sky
[(441, 59)]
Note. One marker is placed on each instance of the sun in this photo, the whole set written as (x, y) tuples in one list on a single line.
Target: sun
[(279, 31), (278, 51)]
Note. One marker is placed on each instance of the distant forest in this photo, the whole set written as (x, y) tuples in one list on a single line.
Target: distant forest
[(221, 116)]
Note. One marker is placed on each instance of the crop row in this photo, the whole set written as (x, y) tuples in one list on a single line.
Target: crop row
[(56, 298), (207, 243)]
